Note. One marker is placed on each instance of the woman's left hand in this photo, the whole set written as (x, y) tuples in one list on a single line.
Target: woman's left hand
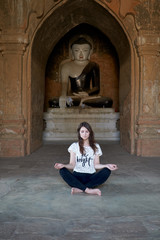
[(112, 167), (58, 165)]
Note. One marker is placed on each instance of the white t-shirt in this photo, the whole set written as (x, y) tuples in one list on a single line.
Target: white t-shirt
[(85, 162)]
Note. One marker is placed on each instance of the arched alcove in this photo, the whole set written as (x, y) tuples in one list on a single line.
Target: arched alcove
[(51, 30), (103, 53)]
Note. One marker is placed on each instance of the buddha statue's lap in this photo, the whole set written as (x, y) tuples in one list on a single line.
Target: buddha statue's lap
[(83, 77)]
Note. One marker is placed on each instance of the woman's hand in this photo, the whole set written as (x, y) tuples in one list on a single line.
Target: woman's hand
[(112, 167), (58, 165)]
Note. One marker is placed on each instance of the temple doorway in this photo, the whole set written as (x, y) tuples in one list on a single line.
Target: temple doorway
[(111, 50), (58, 124)]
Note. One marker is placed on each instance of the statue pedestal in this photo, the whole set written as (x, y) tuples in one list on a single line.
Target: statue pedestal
[(61, 124)]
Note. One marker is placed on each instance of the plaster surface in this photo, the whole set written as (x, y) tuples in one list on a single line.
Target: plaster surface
[(36, 204)]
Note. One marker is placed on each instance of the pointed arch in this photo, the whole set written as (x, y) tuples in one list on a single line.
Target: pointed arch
[(51, 29)]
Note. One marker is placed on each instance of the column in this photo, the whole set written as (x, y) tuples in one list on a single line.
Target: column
[(12, 123), (148, 119)]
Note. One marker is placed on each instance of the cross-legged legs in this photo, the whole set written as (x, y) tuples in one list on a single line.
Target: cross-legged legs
[(98, 178), (84, 182), (71, 179)]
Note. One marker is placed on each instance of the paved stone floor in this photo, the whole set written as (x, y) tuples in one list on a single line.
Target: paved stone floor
[(35, 203)]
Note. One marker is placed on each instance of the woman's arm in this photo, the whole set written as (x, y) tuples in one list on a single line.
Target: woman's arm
[(98, 165), (71, 163)]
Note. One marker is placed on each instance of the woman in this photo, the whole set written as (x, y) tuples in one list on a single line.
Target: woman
[(84, 161)]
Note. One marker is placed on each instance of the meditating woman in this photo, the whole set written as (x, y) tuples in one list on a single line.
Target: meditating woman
[(84, 161)]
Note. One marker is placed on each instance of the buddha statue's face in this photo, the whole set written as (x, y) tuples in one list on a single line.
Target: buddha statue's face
[(81, 52)]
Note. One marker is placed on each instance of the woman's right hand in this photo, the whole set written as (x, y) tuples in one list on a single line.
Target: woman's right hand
[(58, 165)]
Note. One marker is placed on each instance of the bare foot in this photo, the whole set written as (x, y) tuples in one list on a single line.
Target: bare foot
[(95, 191), (76, 190)]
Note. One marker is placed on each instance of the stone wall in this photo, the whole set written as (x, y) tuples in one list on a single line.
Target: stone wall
[(29, 31)]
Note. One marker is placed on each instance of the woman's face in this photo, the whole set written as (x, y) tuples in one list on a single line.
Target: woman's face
[(81, 52), (84, 133)]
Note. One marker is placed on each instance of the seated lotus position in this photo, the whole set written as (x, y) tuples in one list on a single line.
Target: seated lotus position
[(84, 161), (81, 79)]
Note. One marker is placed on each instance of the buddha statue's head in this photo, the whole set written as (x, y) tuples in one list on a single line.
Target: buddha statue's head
[(81, 49)]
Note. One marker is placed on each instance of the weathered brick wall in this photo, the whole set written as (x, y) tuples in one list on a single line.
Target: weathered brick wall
[(29, 31)]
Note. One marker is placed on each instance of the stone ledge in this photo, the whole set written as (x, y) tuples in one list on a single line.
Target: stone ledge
[(61, 124)]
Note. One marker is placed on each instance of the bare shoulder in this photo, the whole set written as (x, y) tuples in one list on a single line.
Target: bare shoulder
[(66, 65)]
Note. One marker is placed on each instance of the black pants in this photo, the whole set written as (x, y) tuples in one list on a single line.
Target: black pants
[(84, 180)]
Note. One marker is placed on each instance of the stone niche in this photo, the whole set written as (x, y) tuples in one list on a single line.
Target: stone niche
[(62, 123), (104, 54)]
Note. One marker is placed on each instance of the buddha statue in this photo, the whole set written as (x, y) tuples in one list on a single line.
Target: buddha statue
[(81, 79)]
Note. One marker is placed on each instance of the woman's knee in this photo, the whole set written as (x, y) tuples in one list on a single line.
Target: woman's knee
[(106, 171), (62, 171)]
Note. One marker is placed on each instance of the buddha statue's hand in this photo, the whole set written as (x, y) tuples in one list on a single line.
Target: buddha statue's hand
[(62, 102), (81, 94)]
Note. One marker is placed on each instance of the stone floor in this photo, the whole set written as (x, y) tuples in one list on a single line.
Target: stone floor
[(35, 203)]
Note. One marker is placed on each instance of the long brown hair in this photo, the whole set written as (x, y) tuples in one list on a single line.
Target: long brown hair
[(91, 137)]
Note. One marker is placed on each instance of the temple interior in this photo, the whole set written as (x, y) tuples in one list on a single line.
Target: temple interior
[(38, 118)]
